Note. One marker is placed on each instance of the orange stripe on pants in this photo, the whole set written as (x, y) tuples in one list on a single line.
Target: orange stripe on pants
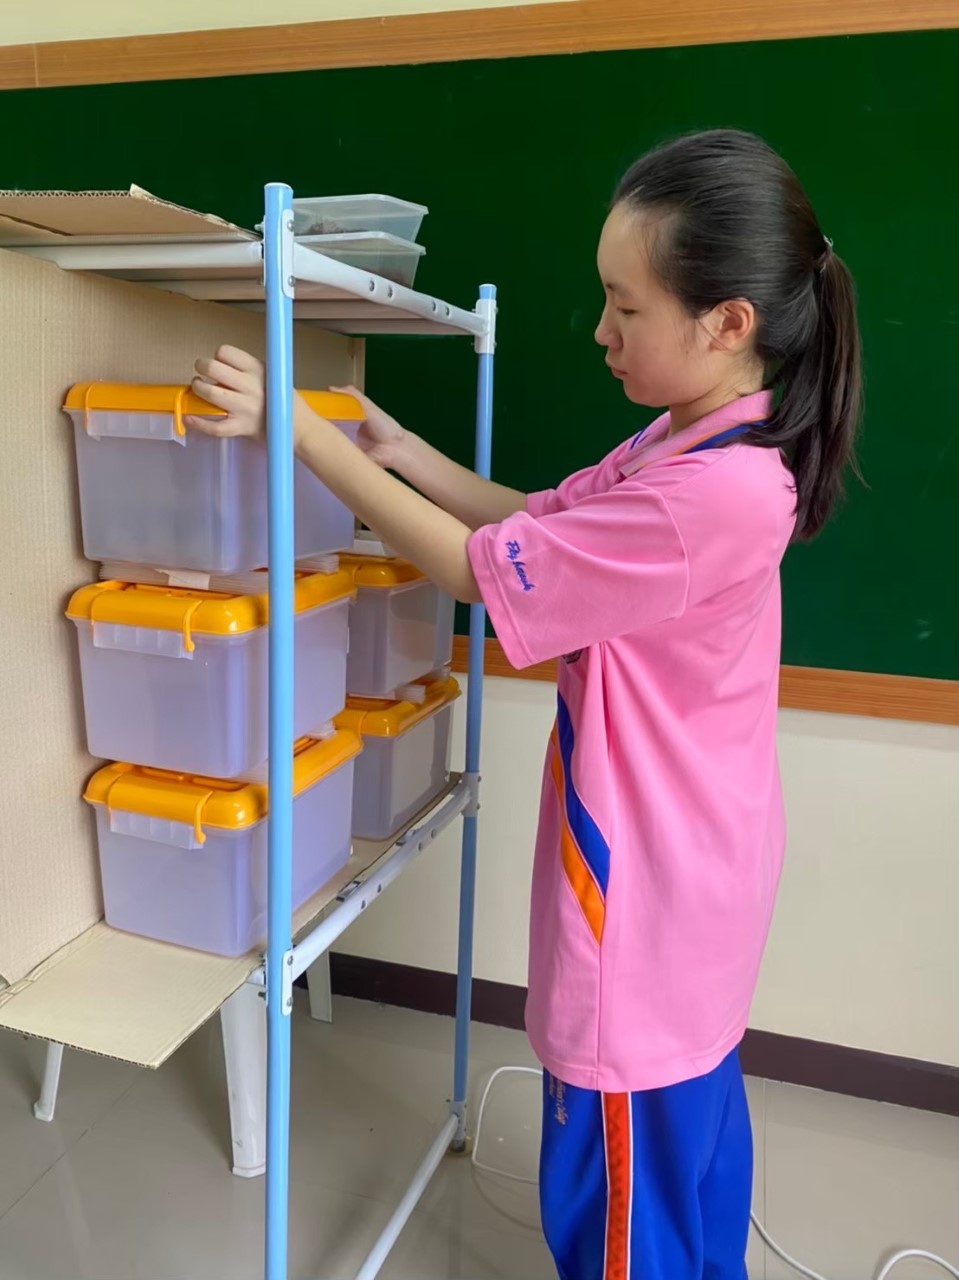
[(619, 1173)]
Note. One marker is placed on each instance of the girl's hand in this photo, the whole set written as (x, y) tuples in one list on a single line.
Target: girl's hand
[(380, 436), (233, 381)]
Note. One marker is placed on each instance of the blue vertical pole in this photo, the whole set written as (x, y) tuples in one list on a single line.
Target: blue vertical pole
[(278, 262), (474, 718)]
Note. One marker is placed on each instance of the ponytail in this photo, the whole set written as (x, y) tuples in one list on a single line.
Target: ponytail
[(740, 225), (817, 418)]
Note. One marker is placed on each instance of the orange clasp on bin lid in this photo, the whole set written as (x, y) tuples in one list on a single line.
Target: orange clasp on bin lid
[(139, 397), (380, 718), (212, 802), (191, 612)]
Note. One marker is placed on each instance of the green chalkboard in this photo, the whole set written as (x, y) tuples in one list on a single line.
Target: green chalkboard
[(516, 160)]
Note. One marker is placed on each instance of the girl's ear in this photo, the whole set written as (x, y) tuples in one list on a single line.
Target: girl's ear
[(731, 325)]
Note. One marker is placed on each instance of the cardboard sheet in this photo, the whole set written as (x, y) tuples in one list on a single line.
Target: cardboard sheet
[(39, 217), (125, 997), (58, 328), (120, 996)]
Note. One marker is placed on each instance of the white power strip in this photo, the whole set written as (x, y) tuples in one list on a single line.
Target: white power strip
[(883, 1274)]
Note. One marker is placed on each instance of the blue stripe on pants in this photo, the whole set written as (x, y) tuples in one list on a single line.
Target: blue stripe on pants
[(682, 1157)]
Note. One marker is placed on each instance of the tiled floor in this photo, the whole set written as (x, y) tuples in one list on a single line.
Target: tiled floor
[(132, 1181)]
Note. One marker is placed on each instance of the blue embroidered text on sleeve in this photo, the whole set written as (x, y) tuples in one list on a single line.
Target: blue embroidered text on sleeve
[(513, 552)]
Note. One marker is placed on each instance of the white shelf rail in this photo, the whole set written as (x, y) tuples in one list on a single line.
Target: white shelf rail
[(363, 892), (326, 291)]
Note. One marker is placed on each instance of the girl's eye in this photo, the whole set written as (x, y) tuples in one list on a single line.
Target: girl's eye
[(625, 311)]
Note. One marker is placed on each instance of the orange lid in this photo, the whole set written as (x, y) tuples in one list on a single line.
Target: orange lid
[(381, 718), (212, 802), (138, 397), (215, 613), (380, 571)]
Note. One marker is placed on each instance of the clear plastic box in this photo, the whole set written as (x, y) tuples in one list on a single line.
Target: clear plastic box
[(374, 251), (406, 757), (178, 679), (153, 493), (401, 627), (183, 859), (335, 215)]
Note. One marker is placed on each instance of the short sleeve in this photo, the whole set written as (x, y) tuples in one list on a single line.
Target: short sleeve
[(607, 566)]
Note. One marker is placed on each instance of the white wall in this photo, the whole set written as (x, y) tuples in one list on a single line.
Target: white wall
[(865, 945), (88, 19)]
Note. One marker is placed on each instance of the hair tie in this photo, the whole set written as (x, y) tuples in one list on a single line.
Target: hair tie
[(826, 255)]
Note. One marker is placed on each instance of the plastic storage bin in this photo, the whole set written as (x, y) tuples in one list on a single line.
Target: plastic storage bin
[(401, 627), (335, 215), (178, 679), (406, 757), (155, 494), (183, 859), (375, 251)]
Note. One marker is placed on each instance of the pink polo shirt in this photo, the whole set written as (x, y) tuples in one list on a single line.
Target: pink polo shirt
[(661, 832)]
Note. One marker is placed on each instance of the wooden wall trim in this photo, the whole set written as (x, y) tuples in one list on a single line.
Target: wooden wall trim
[(497, 663), (571, 26), (18, 66), (863, 693), (853, 693)]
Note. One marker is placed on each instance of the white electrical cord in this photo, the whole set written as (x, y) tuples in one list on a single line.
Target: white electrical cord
[(761, 1231), (488, 1168), (916, 1253), (887, 1270)]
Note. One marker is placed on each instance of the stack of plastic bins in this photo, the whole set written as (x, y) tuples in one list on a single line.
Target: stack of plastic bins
[(175, 676), (400, 694)]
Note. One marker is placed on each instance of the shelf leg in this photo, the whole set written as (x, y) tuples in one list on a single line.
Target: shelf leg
[(46, 1105), (318, 984), (278, 258), (243, 1024), (474, 717)]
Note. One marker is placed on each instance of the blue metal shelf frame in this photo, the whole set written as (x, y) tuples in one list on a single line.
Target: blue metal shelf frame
[(278, 258)]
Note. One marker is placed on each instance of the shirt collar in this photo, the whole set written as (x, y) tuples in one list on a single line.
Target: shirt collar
[(655, 443)]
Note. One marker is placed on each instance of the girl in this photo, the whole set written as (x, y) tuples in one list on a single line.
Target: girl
[(654, 576)]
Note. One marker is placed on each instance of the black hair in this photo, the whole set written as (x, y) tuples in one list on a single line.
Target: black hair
[(738, 224)]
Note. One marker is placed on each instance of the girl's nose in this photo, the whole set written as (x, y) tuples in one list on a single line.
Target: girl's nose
[(606, 334)]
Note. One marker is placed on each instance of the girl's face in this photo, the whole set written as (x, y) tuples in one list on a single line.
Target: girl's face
[(662, 355)]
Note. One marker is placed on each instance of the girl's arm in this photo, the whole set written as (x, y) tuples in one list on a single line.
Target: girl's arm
[(473, 500), (419, 531)]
